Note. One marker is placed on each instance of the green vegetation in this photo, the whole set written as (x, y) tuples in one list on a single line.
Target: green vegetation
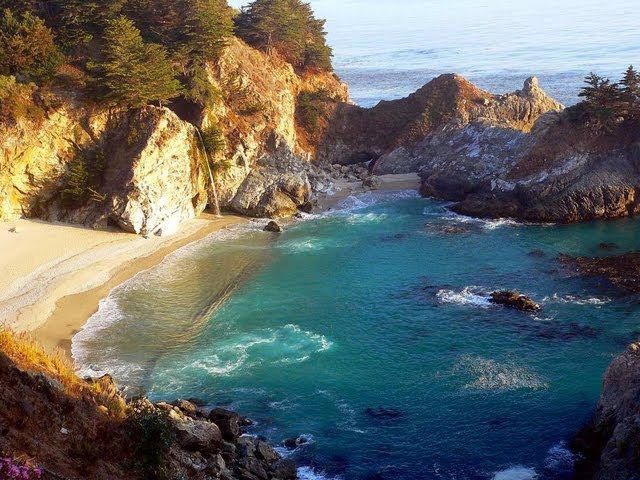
[(16, 102), (606, 105), (83, 177), (288, 27), (27, 47), (310, 109), (151, 435), (130, 53), (134, 73)]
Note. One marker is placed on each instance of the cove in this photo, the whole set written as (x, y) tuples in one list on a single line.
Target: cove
[(368, 331)]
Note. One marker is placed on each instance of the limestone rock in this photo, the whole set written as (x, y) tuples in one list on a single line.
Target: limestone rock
[(276, 187)]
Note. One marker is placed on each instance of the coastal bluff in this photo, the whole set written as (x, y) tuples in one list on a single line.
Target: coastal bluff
[(609, 444)]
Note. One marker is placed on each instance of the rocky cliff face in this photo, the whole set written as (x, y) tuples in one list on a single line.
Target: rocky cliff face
[(145, 169), (610, 445), (402, 135)]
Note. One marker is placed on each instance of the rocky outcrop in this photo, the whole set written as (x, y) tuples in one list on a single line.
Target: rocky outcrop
[(276, 187), (152, 176), (396, 133), (621, 271), (514, 300), (609, 445)]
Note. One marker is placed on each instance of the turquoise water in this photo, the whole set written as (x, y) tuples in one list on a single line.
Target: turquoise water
[(386, 49), (380, 305)]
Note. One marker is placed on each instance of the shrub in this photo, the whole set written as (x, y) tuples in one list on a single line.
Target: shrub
[(150, 432), (10, 469), (311, 109), (27, 47), (17, 102), (83, 177)]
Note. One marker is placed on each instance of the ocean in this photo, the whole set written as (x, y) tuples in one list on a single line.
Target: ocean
[(368, 332), (387, 49)]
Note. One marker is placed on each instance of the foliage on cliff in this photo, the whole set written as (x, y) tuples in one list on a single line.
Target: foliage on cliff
[(290, 28), (137, 52), (606, 105)]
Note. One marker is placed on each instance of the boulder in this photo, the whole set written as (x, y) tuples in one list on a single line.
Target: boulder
[(229, 422), (276, 187), (273, 227), (372, 183), (514, 300), (197, 435), (265, 452), (285, 469)]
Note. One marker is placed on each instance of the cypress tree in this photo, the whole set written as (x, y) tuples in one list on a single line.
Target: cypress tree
[(630, 94), (133, 72)]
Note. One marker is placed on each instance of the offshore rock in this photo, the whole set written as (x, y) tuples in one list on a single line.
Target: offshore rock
[(273, 227), (514, 300), (622, 271)]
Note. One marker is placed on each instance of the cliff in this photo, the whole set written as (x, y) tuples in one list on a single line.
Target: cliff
[(73, 429), (610, 444), (144, 170)]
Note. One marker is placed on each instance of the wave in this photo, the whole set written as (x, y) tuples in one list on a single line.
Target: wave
[(572, 299), (363, 200), (489, 375), (308, 473), (471, 295), (486, 223), (518, 472), (560, 459)]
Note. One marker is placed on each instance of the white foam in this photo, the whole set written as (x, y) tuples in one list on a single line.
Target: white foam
[(597, 301), (308, 473), (560, 458), (516, 473), (471, 295), (369, 199), (487, 374)]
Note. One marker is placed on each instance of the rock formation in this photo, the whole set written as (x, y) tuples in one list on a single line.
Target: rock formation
[(152, 174), (621, 271), (514, 300), (610, 444)]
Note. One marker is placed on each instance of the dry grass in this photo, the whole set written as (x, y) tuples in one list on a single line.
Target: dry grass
[(28, 354)]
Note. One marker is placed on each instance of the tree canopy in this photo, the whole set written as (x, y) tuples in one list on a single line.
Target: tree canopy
[(134, 73), (288, 27), (607, 104), (27, 46)]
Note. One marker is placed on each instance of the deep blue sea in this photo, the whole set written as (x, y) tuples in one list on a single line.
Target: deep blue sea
[(367, 331), (386, 49)]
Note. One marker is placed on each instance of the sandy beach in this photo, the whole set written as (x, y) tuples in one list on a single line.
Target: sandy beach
[(54, 275)]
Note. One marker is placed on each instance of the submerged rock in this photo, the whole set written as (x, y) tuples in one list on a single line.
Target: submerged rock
[(608, 246), (383, 412), (514, 300), (623, 271)]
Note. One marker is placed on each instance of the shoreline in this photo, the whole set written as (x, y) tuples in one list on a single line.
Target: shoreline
[(57, 274)]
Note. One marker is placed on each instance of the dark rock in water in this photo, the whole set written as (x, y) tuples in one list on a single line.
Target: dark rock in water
[(229, 422), (446, 229), (285, 469), (394, 238), (564, 332), (608, 246), (293, 443), (623, 271), (383, 412), (537, 253), (514, 300), (273, 227)]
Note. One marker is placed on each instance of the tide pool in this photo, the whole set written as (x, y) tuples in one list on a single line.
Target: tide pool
[(367, 330)]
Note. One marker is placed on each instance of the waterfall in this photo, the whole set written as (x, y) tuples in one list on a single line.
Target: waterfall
[(213, 183)]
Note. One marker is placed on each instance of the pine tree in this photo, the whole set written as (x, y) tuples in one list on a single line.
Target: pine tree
[(133, 72), (288, 27), (602, 101), (27, 47), (630, 93)]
